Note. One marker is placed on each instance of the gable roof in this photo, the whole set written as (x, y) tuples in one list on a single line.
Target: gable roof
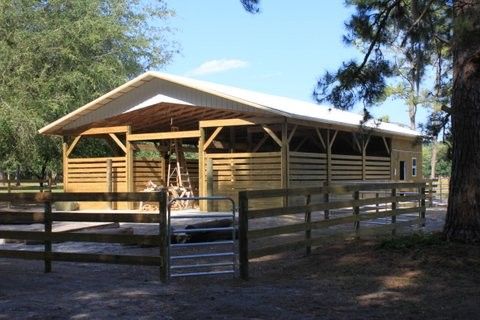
[(142, 92)]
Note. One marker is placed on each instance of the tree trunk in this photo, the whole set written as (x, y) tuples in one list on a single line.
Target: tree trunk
[(17, 176), (412, 113), (433, 160), (463, 214)]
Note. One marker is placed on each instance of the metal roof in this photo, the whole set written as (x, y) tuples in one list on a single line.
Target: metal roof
[(264, 103)]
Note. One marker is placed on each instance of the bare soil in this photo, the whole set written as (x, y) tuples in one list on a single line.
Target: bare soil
[(409, 278), (348, 280)]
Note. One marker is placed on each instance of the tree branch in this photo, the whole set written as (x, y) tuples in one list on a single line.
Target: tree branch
[(381, 25)]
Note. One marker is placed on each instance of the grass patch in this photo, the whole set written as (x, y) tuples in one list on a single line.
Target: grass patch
[(416, 240)]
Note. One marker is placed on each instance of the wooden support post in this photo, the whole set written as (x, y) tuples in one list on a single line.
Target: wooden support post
[(209, 183), (65, 165), (285, 159), (164, 237), (129, 166), (47, 221), (364, 157), (356, 213), (201, 169), (232, 139), (377, 205), (243, 234), (421, 191), (394, 211), (109, 181), (308, 227)]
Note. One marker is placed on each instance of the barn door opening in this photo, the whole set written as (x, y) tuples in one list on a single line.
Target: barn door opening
[(403, 170)]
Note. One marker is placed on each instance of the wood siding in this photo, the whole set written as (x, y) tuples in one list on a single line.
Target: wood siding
[(90, 175), (234, 172)]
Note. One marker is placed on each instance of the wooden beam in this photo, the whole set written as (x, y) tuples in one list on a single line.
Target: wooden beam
[(299, 145), (163, 135), (201, 170), (72, 146), (364, 158), (213, 136), (260, 143), (290, 136), (273, 135), (386, 145), (319, 134), (355, 139), (65, 164), (117, 141), (238, 122), (105, 130), (285, 178), (333, 139)]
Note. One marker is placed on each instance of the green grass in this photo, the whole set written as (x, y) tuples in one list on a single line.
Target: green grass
[(416, 240), (29, 187)]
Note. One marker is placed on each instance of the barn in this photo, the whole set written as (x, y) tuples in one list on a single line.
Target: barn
[(211, 139)]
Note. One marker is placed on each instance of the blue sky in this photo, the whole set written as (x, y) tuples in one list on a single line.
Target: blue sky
[(281, 51)]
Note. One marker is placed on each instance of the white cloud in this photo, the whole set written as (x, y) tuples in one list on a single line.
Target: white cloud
[(217, 66)]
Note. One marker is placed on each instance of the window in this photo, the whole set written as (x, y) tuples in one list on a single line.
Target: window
[(414, 167)]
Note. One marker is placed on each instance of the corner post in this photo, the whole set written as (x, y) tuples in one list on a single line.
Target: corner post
[(201, 169), (129, 165)]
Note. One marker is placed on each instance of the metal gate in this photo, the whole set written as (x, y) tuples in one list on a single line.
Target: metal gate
[(199, 243)]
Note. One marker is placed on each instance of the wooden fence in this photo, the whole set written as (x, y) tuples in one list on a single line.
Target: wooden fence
[(300, 226), (47, 217), (437, 189)]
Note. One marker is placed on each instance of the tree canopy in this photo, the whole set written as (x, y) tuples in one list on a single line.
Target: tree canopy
[(443, 35), (57, 55)]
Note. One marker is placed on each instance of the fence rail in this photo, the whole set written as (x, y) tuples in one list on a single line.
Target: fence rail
[(298, 224), (47, 236)]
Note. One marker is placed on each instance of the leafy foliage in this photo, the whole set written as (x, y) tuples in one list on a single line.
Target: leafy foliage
[(444, 162), (414, 241), (401, 41), (57, 55), (251, 6)]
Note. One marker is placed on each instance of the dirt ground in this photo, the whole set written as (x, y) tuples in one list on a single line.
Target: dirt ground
[(403, 279)]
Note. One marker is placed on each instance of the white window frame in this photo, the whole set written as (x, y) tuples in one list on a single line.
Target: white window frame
[(414, 166)]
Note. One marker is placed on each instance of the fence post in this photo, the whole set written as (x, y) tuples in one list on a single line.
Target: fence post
[(421, 191), (430, 193), (47, 220), (308, 227), (394, 209), (163, 236), (356, 212), (243, 234), (326, 199)]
